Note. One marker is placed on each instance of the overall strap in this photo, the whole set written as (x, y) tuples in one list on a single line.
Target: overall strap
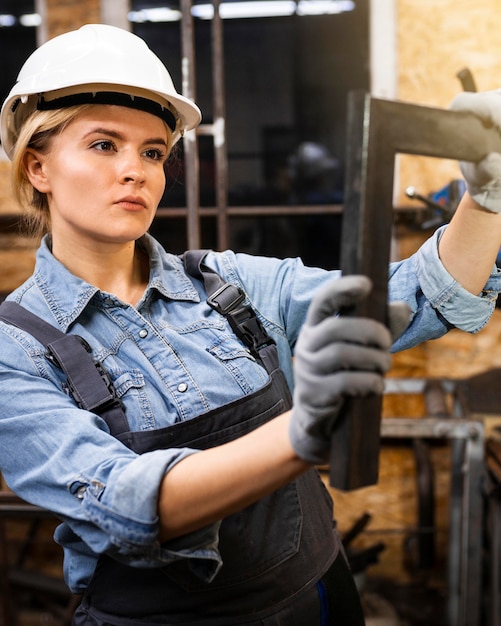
[(87, 380), (227, 299)]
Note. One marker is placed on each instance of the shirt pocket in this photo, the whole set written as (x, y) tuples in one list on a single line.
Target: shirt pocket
[(237, 360), (130, 389)]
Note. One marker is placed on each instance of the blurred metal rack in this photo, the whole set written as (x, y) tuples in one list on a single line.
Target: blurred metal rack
[(466, 436)]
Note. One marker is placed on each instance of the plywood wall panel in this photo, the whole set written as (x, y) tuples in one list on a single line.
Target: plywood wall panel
[(7, 203), (65, 15), (17, 265), (435, 40)]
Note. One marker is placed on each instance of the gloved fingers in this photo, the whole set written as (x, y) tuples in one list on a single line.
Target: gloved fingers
[(351, 330), (357, 383), (352, 357), (483, 181), (337, 294), (336, 386), (399, 316), (483, 172), (340, 356), (484, 104), (317, 408)]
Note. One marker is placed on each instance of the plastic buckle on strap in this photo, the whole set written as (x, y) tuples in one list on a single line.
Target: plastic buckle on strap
[(226, 298), (114, 400), (248, 327)]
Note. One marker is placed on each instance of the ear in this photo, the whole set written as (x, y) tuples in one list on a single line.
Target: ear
[(33, 162)]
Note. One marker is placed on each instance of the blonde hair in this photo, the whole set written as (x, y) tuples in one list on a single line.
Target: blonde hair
[(38, 132)]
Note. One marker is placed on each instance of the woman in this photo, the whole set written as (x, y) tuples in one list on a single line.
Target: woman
[(205, 508)]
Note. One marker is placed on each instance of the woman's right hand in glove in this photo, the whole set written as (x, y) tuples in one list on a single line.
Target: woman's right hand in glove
[(336, 357)]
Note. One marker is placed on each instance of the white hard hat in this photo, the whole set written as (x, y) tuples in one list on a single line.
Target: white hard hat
[(95, 64)]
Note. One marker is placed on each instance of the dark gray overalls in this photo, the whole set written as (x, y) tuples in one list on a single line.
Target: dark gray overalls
[(277, 553)]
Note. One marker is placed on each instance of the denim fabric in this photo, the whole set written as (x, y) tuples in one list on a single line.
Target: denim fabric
[(170, 358), (437, 301)]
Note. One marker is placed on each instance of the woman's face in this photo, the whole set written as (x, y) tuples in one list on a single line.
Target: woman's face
[(103, 176)]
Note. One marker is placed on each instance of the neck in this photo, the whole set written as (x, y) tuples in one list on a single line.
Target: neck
[(122, 269)]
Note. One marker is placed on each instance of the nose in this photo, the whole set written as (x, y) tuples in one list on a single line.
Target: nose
[(132, 169)]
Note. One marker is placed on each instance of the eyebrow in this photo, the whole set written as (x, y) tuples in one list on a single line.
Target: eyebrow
[(116, 135)]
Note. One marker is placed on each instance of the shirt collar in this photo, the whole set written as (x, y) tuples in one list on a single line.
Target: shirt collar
[(67, 295)]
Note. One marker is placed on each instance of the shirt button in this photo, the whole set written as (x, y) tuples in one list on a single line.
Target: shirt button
[(143, 333), (81, 492), (182, 387)]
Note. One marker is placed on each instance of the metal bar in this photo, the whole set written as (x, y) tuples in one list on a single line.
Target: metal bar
[(465, 575), (221, 162), (435, 399), (377, 131), (254, 211), (432, 428), (472, 531), (354, 458), (456, 561), (190, 143), (426, 504), (417, 385), (494, 524), (436, 406)]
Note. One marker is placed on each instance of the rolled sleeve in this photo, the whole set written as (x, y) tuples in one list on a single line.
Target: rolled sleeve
[(126, 510), (105, 494), (458, 306), (437, 301)]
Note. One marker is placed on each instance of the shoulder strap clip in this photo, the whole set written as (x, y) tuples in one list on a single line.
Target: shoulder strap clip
[(226, 298)]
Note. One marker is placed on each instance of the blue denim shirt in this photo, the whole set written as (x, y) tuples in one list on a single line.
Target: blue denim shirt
[(171, 358)]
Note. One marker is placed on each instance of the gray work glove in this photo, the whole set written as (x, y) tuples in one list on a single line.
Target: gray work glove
[(483, 179), (337, 357)]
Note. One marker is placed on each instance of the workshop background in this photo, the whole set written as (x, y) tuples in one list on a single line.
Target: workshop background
[(283, 96)]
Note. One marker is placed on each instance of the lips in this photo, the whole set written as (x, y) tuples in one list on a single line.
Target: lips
[(132, 202)]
